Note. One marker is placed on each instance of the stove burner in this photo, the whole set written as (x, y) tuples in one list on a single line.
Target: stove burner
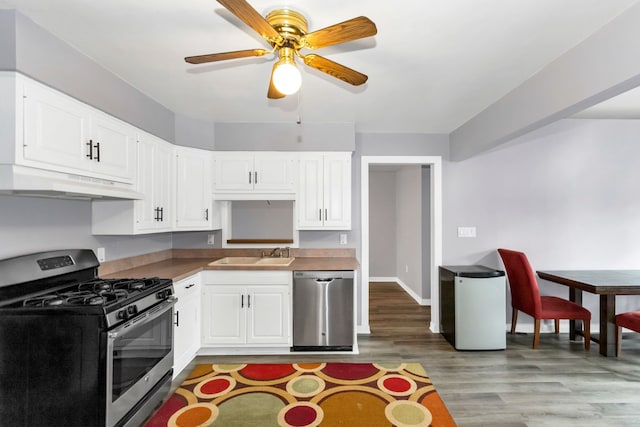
[(94, 292), (43, 301), (84, 298), (130, 284)]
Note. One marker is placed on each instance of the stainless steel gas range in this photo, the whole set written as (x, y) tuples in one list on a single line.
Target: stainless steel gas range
[(78, 350)]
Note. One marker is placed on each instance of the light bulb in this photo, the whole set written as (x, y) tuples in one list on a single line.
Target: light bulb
[(286, 77)]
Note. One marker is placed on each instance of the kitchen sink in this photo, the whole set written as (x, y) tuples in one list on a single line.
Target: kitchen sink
[(252, 261)]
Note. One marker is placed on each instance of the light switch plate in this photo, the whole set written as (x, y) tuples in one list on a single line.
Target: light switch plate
[(466, 232), (102, 256), (343, 239)]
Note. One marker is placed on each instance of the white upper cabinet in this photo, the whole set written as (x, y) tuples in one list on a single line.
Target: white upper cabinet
[(65, 135), (193, 189), (176, 185), (324, 191), (155, 179), (242, 173)]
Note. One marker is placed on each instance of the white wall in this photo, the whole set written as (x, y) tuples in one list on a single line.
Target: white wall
[(382, 224), (409, 227)]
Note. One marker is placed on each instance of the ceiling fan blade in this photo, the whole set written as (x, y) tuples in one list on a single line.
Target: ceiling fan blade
[(353, 29), (247, 14), (213, 57), (336, 70), (273, 92)]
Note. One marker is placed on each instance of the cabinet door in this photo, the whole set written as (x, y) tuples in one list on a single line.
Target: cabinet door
[(146, 214), (163, 181), (113, 148), (55, 129), (337, 191), (309, 200), (154, 180), (273, 172), (223, 312), (186, 323), (193, 198), (234, 171), (268, 315)]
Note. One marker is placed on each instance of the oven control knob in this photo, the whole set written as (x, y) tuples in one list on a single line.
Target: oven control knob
[(123, 315), (132, 310)]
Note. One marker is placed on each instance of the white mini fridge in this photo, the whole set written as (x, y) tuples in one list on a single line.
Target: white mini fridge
[(473, 307)]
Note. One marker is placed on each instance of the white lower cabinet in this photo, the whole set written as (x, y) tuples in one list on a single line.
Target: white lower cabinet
[(186, 322), (246, 308)]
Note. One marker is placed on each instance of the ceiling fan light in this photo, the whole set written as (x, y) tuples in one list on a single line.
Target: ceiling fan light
[(286, 77)]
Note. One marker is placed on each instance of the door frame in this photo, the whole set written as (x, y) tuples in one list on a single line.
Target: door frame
[(435, 193)]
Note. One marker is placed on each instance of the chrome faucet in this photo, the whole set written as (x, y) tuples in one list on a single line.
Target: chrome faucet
[(273, 252)]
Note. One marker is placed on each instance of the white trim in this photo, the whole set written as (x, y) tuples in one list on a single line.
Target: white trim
[(413, 293), (436, 229), (383, 279)]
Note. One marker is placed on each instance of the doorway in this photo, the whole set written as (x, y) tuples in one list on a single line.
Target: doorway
[(435, 244)]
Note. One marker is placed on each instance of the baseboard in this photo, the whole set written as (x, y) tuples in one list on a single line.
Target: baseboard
[(383, 279)]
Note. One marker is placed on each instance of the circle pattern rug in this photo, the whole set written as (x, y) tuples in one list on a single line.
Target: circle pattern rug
[(305, 395)]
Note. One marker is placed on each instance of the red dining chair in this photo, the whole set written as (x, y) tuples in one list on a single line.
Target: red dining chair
[(525, 297), (629, 320)]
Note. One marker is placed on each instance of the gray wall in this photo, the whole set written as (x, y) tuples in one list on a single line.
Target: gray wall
[(31, 224), (285, 136), (409, 227), (566, 195), (382, 224), (194, 133), (259, 219), (426, 232), (7, 40)]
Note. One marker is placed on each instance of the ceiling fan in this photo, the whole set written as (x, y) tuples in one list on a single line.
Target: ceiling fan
[(286, 31)]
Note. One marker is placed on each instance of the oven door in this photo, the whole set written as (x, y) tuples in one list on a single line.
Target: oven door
[(139, 355)]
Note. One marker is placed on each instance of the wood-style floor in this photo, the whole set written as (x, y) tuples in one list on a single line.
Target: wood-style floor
[(558, 384)]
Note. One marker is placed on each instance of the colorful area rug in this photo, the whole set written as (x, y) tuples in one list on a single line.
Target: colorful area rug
[(312, 394)]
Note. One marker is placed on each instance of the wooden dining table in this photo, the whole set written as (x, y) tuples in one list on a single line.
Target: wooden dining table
[(605, 283)]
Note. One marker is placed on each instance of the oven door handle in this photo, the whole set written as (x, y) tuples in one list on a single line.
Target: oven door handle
[(148, 315)]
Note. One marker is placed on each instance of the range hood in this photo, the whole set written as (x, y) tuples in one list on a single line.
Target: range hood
[(26, 181)]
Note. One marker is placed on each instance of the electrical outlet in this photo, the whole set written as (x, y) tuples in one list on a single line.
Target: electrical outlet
[(466, 232), (211, 239), (406, 268), (343, 239), (102, 256)]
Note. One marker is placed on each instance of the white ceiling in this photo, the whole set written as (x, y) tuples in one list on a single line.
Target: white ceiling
[(433, 65)]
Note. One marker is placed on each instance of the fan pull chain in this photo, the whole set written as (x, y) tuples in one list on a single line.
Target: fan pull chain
[(299, 119)]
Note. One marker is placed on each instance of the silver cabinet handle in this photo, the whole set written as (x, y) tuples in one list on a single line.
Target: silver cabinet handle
[(249, 177), (206, 214), (249, 301), (325, 214), (242, 301), (255, 177)]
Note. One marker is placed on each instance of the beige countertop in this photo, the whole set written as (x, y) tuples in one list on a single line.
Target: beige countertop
[(178, 268)]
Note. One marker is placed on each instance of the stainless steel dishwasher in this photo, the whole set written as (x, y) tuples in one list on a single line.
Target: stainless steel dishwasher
[(323, 311)]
